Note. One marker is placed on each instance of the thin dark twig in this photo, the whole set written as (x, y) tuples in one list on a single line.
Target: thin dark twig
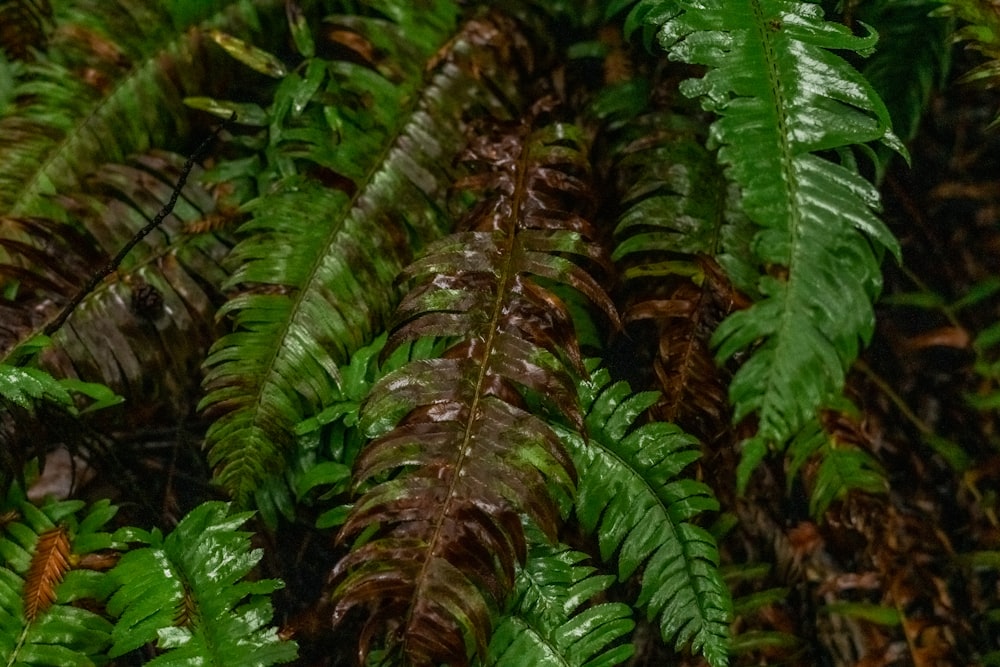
[(167, 209)]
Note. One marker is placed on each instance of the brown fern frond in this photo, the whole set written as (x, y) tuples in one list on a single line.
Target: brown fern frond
[(671, 229), (49, 564), (465, 458), (24, 25), (164, 291), (693, 386)]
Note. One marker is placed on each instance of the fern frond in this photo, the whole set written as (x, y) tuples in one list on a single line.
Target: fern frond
[(631, 495), (747, 608), (782, 96), (317, 264), (674, 204), (913, 59), (550, 621), (188, 592), (165, 291), (981, 29), (111, 85), (39, 583), (470, 457), (842, 464)]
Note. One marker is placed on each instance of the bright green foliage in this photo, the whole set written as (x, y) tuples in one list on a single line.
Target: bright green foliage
[(551, 622), (331, 255), (631, 495), (60, 634), (782, 95), (188, 592), (24, 386)]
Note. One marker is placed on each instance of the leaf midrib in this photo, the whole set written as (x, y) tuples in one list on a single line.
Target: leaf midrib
[(259, 419), (788, 321)]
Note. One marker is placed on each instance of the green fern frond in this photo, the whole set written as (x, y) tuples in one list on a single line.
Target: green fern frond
[(136, 61), (842, 464), (913, 59), (40, 624), (471, 458), (317, 264), (631, 495), (189, 593), (782, 96), (981, 29), (550, 621)]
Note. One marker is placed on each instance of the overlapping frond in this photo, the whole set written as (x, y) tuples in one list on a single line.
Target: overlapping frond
[(469, 458), (632, 496), (912, 60), (111, 84), (782, 96), (317, 264), (189, 593), (840, 461), (555, 618), (36, 410), (40, 550), (673, 222), (132, 325)]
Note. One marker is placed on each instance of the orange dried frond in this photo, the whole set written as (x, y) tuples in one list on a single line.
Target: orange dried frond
[(49, 564)]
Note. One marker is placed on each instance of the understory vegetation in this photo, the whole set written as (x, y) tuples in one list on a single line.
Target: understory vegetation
[(445, 332)]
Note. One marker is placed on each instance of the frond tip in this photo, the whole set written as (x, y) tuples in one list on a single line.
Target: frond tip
[(631, 495)]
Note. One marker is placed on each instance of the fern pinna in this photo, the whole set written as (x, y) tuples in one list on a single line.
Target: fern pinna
[(457, 457), (557, 617), (188, 593)]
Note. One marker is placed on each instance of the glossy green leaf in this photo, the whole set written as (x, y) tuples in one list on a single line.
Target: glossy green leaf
[(631, 495), (188, 592), (782, 95)]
